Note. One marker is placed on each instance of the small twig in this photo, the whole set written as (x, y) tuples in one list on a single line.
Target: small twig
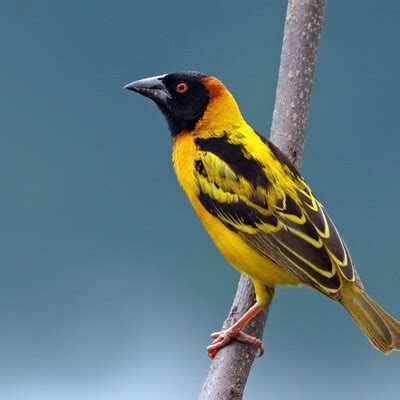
[(304, 19)]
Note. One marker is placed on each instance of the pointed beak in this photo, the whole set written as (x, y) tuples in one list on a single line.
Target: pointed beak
[(153, 88)]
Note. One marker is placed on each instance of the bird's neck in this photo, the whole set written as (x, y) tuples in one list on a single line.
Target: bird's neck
[(222, 114)]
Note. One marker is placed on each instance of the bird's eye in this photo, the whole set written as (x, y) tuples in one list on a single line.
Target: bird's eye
[(182, 87)]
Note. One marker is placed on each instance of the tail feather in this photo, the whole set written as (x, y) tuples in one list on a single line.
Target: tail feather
[(381, 328)]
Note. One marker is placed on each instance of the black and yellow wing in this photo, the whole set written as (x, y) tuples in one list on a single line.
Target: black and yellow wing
[(268, 204)]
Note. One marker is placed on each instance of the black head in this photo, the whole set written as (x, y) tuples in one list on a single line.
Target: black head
[(181, 96)]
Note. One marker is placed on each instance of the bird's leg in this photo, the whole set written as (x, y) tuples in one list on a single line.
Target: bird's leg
[(223, 338)]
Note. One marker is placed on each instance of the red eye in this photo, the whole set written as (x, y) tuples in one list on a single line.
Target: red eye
[(182, 87)]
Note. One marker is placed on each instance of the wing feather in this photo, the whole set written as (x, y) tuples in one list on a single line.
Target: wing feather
[(286, 224)]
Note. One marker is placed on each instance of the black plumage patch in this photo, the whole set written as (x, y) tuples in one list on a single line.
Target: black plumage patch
[(292, 207), (183, 110), (236, 157)]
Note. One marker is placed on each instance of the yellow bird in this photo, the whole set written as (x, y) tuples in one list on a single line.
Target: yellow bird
[(257, 208)]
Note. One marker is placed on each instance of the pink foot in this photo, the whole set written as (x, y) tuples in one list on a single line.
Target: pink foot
[(223, 338)]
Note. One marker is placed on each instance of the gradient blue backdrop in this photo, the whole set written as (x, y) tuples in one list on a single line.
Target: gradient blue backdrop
[(109, 287)]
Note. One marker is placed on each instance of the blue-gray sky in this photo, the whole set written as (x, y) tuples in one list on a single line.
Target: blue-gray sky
[(109, 286)]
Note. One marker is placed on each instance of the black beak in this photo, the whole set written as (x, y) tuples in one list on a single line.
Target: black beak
[(153, 88)]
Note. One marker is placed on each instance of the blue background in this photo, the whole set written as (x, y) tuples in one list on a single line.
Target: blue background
[(109, 286)]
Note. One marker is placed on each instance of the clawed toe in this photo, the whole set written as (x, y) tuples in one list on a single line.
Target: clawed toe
[(244, 337), (223, 338)]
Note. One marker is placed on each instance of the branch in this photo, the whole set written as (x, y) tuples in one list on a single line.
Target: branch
[(304, 19)]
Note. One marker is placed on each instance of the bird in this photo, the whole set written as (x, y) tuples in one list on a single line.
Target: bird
[(257, 208)]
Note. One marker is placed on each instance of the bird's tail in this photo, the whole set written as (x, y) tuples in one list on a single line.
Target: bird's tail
[(381, 328)]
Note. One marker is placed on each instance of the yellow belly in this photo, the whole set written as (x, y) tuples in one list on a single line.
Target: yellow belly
[(240, 255)]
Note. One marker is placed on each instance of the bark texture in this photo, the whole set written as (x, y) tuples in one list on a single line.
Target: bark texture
[(304, 19)]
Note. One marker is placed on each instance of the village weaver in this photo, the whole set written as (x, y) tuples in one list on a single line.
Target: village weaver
[(257, 208)]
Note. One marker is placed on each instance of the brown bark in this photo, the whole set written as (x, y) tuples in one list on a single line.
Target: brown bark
[(304, 19)]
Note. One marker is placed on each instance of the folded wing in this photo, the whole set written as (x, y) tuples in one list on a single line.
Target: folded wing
[(284, 223)]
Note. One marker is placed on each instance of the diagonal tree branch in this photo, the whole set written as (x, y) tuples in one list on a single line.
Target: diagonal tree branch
[(304, 19)]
